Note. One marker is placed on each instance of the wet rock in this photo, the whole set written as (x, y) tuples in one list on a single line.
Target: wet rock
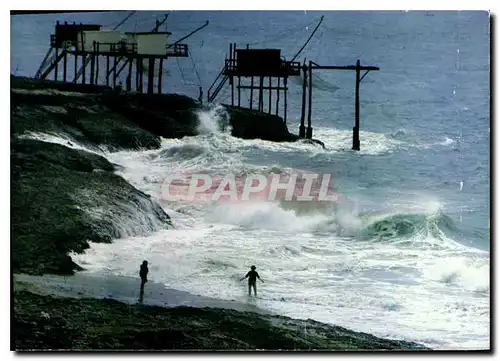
[(59, 203)]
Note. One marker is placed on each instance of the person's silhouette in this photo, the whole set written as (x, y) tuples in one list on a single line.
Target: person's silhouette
[(252, 276), (143, 273)]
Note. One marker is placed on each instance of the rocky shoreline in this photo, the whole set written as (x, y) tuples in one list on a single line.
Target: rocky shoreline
[(77, 320), (63, 197)]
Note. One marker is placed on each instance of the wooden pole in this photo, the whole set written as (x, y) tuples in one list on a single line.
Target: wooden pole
[(83, 55), (56, 70), (65, 69), (239, 91), (76, 65), (137, 71), (302, 128), (97, 66), (278, 96), (114, 72), (267, 87), (84, 70), (309, 128), (107, 70), (160, 75), (96, 81), (285, 82), (92, 64), (270, 92), (231, 64), (231, 80), (261, 94), (141, 76), (151, 75), (355, 130), (251, 93), (129, 76)]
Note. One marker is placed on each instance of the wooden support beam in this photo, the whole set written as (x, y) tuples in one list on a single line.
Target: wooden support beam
[(141, 75), (92, 63), (251, 93), (302, 129), (270, 92), (160, 76), (309, 111), (96, 69), (357, 68), (231, 81), (114, 72), (122, 67), (129, 75), (151, 75), (76, 65), (56, 70), (345, 67), (239, 91), (84, 68), (264, 87), (278, 96), (137, 71), (285, 81), (355, 130), (65, 66), (261, 94), (92, 68), (107, 70)]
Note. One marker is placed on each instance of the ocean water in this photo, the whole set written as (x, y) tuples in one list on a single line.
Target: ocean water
[(407, 255)]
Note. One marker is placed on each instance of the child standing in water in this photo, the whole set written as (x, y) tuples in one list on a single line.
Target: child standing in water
[(252, 276)]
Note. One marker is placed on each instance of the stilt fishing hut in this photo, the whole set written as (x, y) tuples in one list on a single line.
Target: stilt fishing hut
[(269, 64), (251, 69), (90, 49)]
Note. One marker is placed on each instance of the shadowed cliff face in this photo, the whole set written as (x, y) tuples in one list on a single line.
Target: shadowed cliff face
[(96, 114), (61, 198)]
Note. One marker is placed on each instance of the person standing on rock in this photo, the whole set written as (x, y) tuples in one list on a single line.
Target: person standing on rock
[(143, 273), (252, 276)]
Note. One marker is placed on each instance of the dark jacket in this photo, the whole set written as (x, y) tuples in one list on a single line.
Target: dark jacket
[(144, 271), (252, 276)]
